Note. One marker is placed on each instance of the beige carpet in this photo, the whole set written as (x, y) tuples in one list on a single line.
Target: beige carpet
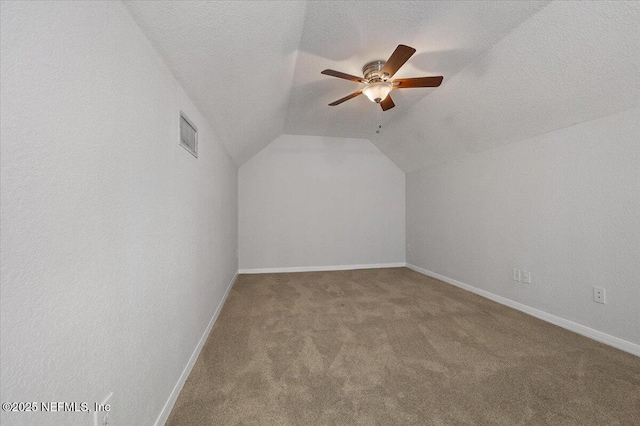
[(393, 347)]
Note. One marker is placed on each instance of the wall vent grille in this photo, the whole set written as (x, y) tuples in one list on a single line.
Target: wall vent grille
[(188, 135)]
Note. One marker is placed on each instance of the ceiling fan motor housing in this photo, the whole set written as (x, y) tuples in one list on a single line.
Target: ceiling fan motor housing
[(371, 71), (378, 86)]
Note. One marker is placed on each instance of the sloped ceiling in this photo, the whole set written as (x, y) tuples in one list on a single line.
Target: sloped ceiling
[(512, 69), (235, 59)]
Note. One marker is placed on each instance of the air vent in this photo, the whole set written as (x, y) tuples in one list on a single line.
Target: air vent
[(188, 135)]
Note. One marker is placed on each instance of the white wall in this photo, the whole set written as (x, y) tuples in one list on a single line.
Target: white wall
[(307, 201), (117, 244), (564, 205)]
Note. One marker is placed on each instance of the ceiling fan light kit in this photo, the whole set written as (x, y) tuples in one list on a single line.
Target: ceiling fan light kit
[(377, 92), (377, 79)]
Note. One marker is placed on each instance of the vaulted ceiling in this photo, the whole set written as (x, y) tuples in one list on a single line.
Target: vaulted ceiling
[(511, 69)]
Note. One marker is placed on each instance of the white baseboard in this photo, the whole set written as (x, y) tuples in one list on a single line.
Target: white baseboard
[(168, 406), (321, 268), (545, 316)]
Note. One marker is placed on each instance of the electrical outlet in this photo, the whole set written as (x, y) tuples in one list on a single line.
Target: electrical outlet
[(103, 412), (526, 277), (516, 274), (599, 295), (408, 248)]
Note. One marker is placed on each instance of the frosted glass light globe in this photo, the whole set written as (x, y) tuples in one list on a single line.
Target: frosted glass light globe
[(377, 92)]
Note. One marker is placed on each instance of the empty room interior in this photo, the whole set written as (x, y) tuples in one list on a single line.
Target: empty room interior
[(320, 213)]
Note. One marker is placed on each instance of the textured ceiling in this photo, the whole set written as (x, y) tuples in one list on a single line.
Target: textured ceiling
[(569, 63), (448, 36), (235, 59), (512, 69)]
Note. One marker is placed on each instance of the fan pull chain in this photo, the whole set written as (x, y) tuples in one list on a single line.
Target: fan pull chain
[(378, 120)]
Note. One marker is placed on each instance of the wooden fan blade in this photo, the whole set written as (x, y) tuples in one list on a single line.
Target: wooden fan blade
[(387, 103), (397, 59), (346, 98), (339, 74), (406, 83)]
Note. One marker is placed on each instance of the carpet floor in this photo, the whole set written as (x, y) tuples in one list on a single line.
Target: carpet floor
[(394, 347)]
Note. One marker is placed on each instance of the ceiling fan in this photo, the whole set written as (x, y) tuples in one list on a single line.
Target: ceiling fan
[(377, 78)]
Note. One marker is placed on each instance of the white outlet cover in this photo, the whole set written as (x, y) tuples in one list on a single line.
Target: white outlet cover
[(526, 277), (99, 417), (599, 295), (516, 274)]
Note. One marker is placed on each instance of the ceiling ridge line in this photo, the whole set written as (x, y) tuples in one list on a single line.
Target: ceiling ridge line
[(293, 75)]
